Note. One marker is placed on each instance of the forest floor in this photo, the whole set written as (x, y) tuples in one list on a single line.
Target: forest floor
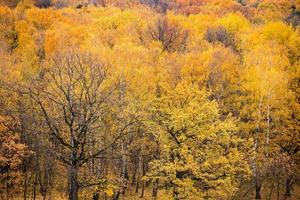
[(245, 194)]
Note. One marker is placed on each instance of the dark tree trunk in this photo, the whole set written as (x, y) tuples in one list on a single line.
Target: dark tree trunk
[(257, 189), (124, 170), (278, 189), (155, 189), (116, 196), (175, 193), (7, 191), (34, 185), (288, 187), (73, 183), (137, 186), (143, 190), (271, 191), (134, 176), (143, 183), (96, 196)]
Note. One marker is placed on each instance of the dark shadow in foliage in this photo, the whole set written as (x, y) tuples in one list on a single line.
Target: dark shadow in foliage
[(172, 36), (294, 17), (43, 3), (220, 35), (242, 2), (13, 38), (158, 5), (60, 4)]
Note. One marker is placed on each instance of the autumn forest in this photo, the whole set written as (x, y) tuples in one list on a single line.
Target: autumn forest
[(149, 99)]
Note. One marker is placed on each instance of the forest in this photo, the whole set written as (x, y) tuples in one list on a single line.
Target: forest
[(149, 99)]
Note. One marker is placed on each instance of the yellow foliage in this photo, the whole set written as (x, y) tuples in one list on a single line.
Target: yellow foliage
[(234, 23), (203, 113)]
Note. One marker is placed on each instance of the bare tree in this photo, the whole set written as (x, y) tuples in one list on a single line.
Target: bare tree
[(76, 94), (220, 35), (171, 36)]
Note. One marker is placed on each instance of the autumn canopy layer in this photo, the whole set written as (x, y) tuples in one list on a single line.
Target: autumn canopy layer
[(149, 99)]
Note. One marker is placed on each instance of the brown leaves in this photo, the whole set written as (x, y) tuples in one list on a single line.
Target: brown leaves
[(12, 153)]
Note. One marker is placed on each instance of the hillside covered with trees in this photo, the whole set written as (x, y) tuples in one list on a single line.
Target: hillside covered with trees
[(149, 99)]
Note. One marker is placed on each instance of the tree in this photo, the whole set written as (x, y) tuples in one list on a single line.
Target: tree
[(76, 95), (220, 35), (8, 34), (263, 110), (200, 154), (12, 153), (153, 61), (171, 36)]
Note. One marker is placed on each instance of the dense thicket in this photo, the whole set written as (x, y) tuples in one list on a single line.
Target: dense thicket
[(163, 99)]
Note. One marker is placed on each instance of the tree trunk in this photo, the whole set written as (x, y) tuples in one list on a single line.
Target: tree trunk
[(257, 188), (268, 131), (124, 172), (34, 184), (116, 196), (7, 191), (278, 189), (143, 190), (256, 172), (138, 176), (155, 189), (288, 187), (137, 186), (96, 196), (175, 193), (25, 183), (143, 182), (271, 191), (134, 175), (73, 183)]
